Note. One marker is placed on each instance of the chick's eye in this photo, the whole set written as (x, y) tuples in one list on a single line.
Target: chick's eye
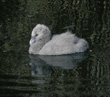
[(36, 35)]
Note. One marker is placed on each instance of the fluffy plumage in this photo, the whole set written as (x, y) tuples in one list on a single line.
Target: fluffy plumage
[(66, 43)]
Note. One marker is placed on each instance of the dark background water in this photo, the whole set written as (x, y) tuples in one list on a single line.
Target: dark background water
[(64, 76)]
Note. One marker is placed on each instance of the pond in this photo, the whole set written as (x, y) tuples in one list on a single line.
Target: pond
[(48, 76), (84, 74)]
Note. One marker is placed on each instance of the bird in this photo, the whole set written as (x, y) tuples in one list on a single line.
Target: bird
[(43, 43)]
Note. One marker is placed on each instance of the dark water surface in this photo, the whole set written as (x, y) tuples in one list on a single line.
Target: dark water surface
[(71, 75)]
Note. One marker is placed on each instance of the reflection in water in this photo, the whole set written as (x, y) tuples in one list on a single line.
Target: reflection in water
[(63, 61), (41, 64), (41, 67), (54, 76), (40, 70)]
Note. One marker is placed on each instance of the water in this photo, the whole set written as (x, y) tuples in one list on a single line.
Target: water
[(48, 76), (76, 75)]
